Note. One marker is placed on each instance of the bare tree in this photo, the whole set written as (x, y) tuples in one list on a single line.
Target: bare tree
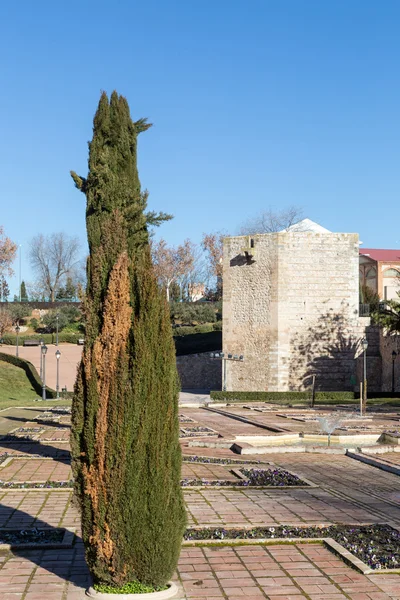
[(8, 252), (270, 221), (53, 257), (6, 320), (213, 246), (171, 263), (193, 282)]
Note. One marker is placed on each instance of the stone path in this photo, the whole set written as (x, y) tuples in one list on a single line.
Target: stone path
[(276, 572), (346, 491), (69, 360)]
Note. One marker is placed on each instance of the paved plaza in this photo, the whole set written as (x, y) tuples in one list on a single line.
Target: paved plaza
[(343, 491)]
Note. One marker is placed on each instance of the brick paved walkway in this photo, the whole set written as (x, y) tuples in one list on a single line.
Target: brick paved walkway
[(348, 492), (277, 572), (37, 470)]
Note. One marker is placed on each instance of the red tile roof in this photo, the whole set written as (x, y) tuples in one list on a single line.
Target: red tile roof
[(381, 255)]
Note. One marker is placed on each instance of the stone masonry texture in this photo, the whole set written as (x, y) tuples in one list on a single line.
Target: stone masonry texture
[(290, 307)]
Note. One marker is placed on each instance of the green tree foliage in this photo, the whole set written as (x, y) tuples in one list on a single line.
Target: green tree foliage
[(67, 291), (188, 313), (4, 289), (71, 312), (49, 321), (19, 311), (125, 430), (388, 316), (369, 296), (24, 295)]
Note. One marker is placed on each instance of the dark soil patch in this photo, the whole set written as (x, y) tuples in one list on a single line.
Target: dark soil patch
[(376, 545)]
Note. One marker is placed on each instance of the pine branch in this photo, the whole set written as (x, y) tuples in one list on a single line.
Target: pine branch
[(80, 182), (155, 219)]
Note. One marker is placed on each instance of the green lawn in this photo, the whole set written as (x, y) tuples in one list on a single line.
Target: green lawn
[(16, 389)]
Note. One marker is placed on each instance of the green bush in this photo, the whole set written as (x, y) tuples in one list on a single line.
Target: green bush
[(34, 323), (11, 339), (64, 337), (178, 331), (50, 321), (206, 328), (217, 326), (31, 373), (282, 397), (190, 313), (71, 313), (19, 311), (76, 327)]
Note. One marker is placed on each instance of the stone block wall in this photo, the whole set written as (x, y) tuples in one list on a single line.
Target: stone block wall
[(199, 371), (292, 311)]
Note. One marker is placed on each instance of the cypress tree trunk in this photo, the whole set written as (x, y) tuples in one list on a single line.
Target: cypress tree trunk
[(125, 433)]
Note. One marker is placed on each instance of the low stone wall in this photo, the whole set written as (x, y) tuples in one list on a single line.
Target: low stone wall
[(199, 371)]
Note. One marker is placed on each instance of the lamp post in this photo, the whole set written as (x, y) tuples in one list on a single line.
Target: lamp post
[(58, 354), (41, 360), (44, 350), (225, 358), (394, 354), (57, 329), (17, 330), (364, 400)]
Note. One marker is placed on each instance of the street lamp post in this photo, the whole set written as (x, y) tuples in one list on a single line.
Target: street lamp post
[(224, 358), (57, 330), (41, 360), (394, 354), (58, 354), (44, 350), (364, 399), (17, 330)]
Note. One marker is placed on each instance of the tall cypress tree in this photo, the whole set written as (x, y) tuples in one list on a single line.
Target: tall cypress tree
[(24, 295), (125, 430)]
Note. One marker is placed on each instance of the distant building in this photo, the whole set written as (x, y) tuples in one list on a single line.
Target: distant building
[(291, 307), (380, 271), (196, 291)]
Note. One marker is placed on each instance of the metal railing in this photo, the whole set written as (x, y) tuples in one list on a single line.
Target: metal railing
[(364, 310)]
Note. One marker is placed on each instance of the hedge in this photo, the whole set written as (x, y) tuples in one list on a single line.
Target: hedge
[(31, 373), (282, 397), (48, 338), (298, 397)]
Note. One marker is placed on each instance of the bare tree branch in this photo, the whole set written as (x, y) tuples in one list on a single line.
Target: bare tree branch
[(269, 221), (52, 258), (171, 263)]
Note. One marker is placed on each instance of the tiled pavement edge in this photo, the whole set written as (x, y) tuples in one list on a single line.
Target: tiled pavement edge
[(349, 492)]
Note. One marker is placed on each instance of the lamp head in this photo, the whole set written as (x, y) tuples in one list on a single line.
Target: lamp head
[(394, 354), (58, 354), (44, 349), (365, 343)]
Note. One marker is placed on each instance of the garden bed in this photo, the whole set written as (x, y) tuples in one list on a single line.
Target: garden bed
[(185, 419), (197, 432), (220, 461), (378, 546), (16, 537), (251, 478), (62, 410), (32, 485)]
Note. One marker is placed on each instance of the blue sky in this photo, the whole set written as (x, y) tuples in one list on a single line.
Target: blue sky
[(255, 104)]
